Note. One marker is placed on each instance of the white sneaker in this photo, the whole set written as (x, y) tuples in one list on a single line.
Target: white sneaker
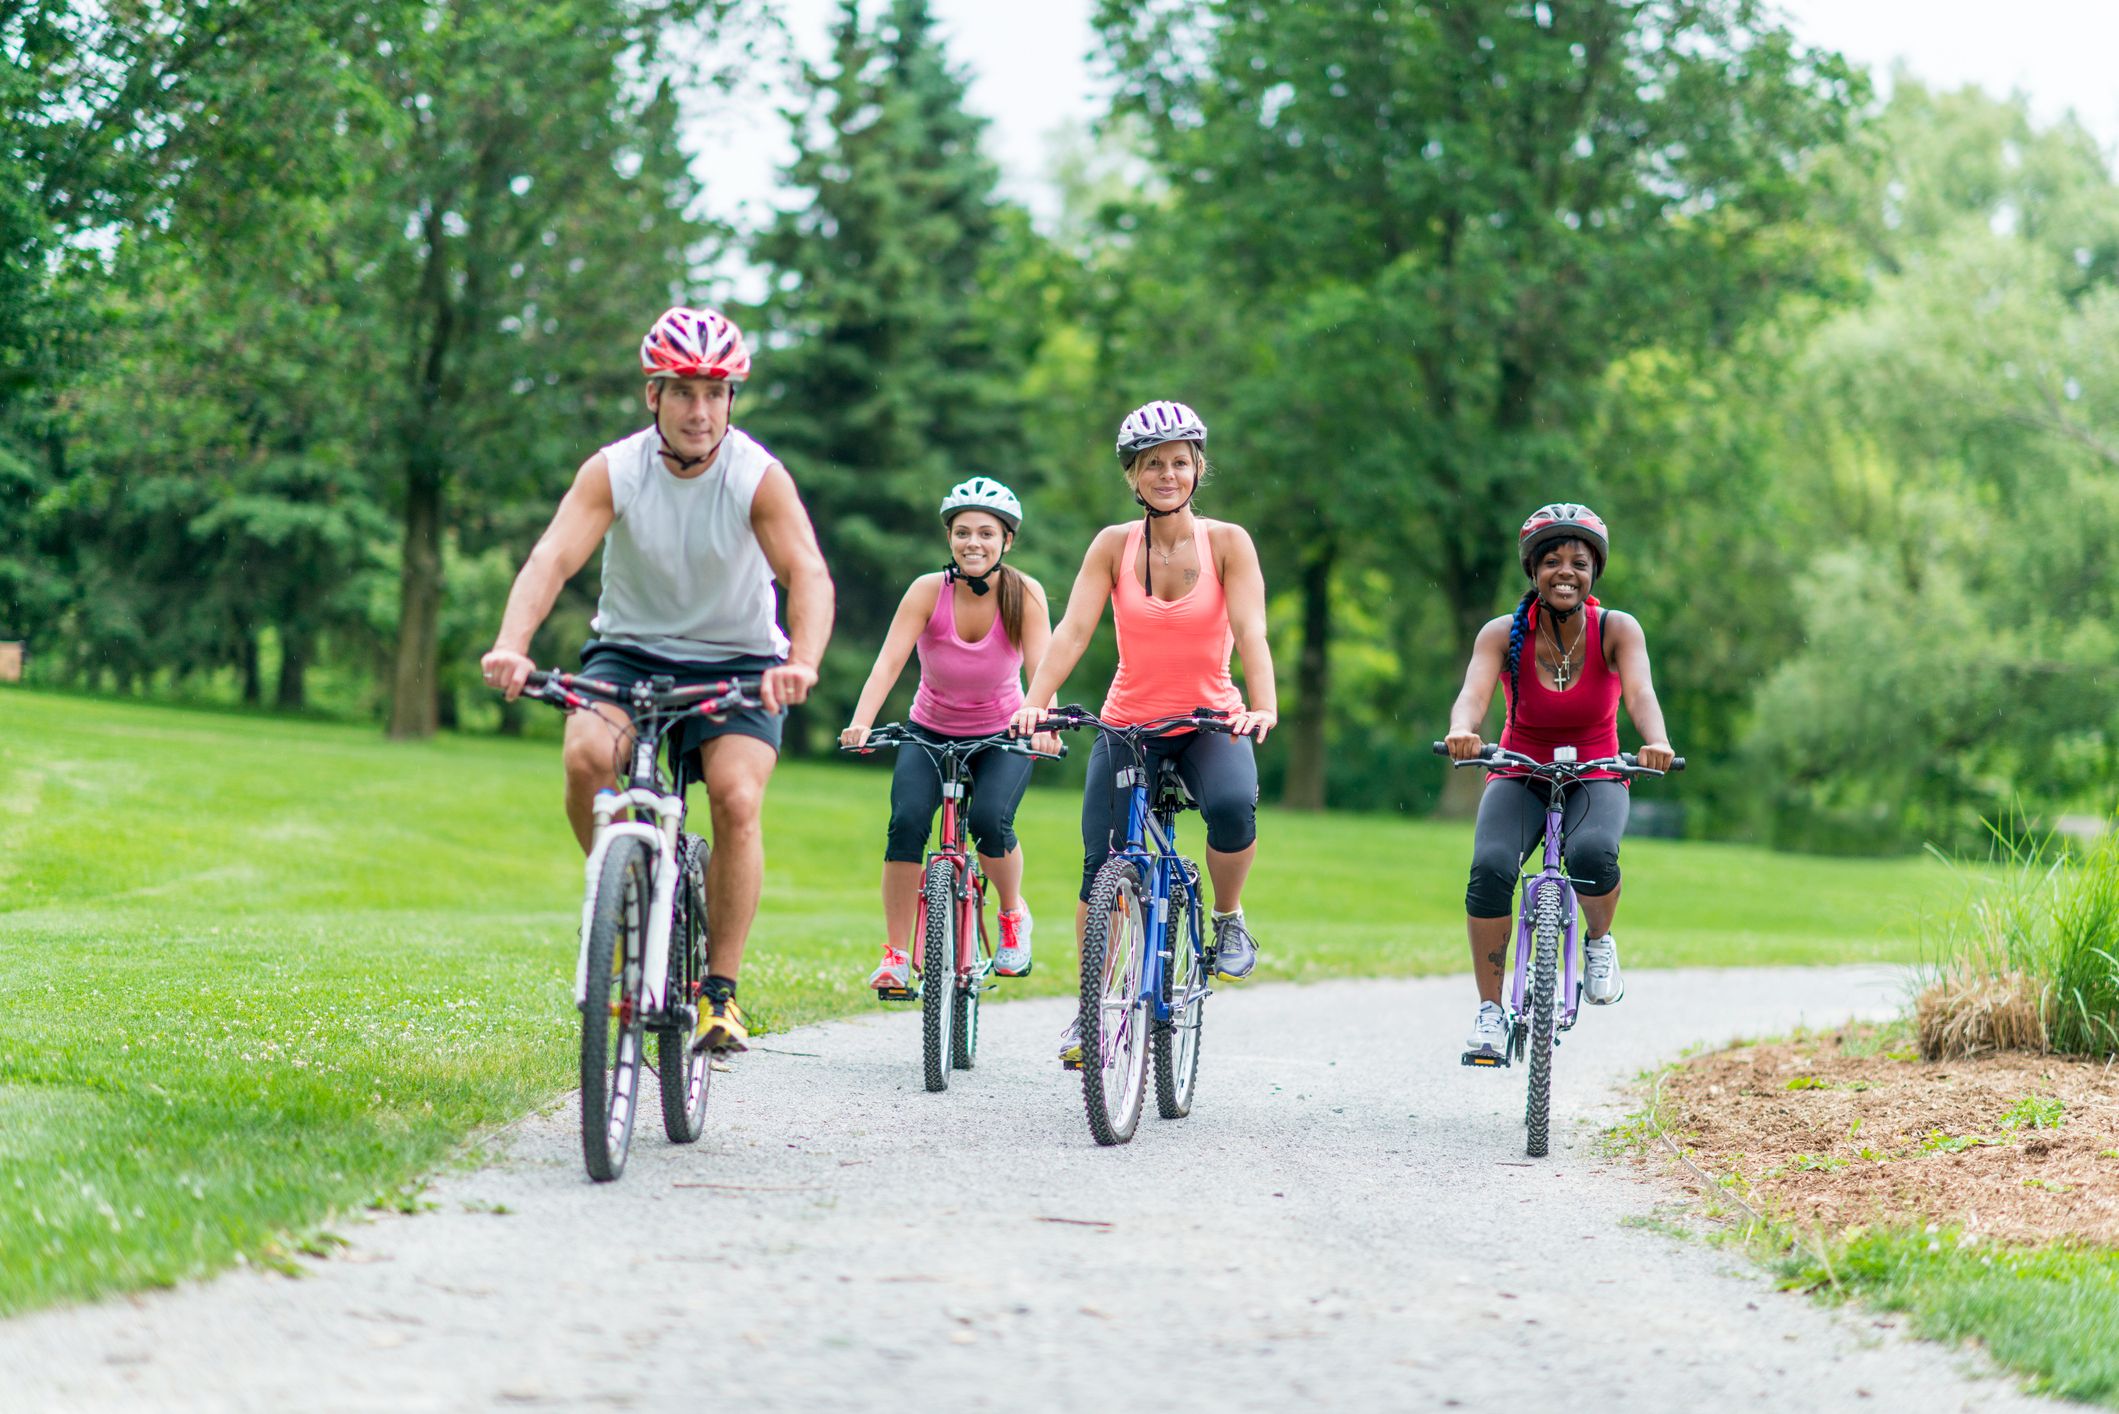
[(1488, 1043), (1601, 983), (1012, 958)]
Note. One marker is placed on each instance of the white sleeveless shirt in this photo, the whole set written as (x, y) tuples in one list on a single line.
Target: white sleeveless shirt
[(683, 574)]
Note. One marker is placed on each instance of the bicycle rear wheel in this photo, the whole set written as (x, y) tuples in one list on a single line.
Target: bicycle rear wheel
[(1113, 1017), (611, 1022), (938, 980), (686, 1075), (964, 1047), (1544, 984), (1184, 992)]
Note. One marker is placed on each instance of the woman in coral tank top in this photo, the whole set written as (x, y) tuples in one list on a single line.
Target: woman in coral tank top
[(1566, 662), (976, 624), (1184, 591)]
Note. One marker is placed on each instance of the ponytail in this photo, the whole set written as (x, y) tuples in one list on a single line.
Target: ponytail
[(1011, 604)]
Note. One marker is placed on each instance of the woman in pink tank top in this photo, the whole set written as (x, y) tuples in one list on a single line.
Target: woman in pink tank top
[(1563, 663), (1184, 591), (976, 625)]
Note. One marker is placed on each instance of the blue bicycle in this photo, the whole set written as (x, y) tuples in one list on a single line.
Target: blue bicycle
[(1146, 955), (1548, 937)]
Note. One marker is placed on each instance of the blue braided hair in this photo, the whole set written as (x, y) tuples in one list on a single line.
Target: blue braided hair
[(1518, 630)]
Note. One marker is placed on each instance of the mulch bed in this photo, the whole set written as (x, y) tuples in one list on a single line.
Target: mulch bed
[(1837, 1139)]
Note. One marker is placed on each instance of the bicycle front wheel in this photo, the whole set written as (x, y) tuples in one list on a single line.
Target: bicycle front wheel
[(1113, 1017), (611, 1021), (686, 1075), (1184, 992), (938, 980), (1544, 985)]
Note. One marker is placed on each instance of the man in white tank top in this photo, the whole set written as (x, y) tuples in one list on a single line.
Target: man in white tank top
[(696, 521)]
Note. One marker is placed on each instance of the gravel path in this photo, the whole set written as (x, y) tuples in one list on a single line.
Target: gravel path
[(1346, 1222)]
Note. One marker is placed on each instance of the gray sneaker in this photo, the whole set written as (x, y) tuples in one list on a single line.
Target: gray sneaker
[(1601, 983), (1235, 950), (1488, 1043)]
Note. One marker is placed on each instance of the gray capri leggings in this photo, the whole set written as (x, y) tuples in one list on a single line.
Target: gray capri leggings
[(1220, 770), (998, 779), (1512, 824)]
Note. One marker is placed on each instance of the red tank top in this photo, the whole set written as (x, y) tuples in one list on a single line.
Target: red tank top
[(1585, 716)]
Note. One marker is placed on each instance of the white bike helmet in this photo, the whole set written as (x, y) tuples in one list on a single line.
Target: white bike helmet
[(983, 493), (1153, 423)]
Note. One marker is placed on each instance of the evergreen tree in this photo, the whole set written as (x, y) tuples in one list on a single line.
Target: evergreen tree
[(889, 372)]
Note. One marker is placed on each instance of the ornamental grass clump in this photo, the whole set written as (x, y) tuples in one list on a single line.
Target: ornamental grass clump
[(2031, 962)]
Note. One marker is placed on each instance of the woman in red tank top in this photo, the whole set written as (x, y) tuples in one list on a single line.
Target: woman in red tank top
[(1564, 663), (1184, 592)]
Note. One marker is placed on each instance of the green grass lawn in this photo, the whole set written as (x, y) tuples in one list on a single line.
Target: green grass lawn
[(255, 971)]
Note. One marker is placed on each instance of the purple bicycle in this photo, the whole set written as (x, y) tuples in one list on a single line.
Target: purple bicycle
[(1548, 939)]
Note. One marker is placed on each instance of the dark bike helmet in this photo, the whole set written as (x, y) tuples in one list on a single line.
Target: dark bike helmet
[(1564, 520)]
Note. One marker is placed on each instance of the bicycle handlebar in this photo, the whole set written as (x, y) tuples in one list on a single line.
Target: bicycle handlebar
[(897, 734), (1072, 718), (573, 692), (1493, 754)]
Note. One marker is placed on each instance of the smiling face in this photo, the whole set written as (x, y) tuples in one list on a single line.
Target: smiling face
[(977, 540), (1165, 474), (691, 412), (1563, 572)]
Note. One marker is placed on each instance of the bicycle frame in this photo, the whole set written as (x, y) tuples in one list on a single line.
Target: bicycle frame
[(974, 955), (1151, 844), (654, 712)]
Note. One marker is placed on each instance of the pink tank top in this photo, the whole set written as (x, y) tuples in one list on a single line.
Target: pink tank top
[(1173, 654), (966, 689)]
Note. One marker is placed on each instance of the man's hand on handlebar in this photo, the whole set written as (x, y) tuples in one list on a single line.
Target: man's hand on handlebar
[(1463, 746), (786, 685), (506, 670)]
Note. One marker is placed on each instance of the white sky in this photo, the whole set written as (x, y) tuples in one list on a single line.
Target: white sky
[(1030, 73)]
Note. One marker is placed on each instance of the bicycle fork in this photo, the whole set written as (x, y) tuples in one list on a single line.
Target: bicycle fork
[(661, 837)]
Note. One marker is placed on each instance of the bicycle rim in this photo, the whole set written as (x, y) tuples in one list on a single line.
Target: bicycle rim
[(938, 973), (687, 1076), (1544, 983), (611, 1021), (1184, 992), (1113, 1019)]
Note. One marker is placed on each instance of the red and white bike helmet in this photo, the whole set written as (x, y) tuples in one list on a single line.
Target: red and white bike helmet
[(1564, 520), (695, 343)]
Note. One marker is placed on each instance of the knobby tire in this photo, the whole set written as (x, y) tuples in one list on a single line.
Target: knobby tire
[(1113, 1100), (610, 1044), (687, 1077), (938, 973), (1544, 984), (1177, 1040)]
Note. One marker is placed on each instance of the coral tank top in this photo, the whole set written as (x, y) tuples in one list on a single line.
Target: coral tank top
[(1173, 654)]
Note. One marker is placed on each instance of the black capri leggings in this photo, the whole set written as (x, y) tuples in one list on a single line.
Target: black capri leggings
[(998, 779), (1220, 770), (1512, 824)]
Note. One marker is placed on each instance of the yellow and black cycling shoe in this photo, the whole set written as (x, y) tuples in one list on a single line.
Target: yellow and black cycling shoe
[(721, 1027)]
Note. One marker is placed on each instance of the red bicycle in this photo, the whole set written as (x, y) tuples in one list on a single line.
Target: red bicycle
[(951, 949)]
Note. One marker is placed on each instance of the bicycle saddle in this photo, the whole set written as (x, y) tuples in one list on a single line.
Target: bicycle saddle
[(1171, 794)]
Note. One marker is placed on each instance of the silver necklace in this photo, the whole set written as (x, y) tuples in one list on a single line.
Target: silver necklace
[(1170, 554), (1562, 661)]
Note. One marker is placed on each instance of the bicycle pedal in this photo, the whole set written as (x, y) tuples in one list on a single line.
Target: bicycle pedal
[(897, 994), (1070, 1065), (1485, 1062)]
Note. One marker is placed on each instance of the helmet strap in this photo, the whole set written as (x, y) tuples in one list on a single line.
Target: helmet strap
[(684, 464), (978, 582)]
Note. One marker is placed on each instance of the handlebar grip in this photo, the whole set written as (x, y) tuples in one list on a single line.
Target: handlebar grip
[(1677, 763), (1442, 748)]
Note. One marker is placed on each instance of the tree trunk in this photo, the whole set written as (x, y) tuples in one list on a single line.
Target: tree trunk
[(412, 700), (253, 689), (294, 668), (1305, 786)]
